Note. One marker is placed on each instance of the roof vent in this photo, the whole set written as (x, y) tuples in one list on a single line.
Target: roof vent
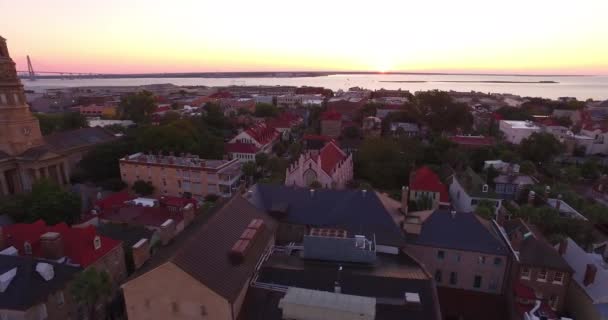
[(412, 298), (6, 278), (45, 270)]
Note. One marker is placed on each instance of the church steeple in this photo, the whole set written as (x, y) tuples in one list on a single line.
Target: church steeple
[(19, 129)]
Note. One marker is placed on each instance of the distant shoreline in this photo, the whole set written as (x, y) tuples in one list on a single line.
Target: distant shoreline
[(468, 81), (278, 74)]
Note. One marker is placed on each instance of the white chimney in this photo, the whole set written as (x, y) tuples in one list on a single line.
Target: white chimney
[(453, 214), (45, 270), (6, 278), (337, 288), (96, 242)]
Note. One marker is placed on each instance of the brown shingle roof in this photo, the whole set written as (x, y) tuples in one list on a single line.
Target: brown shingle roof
[(205, 255)]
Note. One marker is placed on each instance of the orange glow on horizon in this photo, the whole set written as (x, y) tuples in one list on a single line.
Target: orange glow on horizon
[(468, 36)]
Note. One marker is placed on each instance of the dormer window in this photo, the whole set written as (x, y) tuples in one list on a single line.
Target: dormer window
[(97, 242), (27, 247), (484, 188)]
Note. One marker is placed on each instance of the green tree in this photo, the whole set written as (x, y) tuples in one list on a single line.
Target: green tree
[(266, 110), (143, 188), (540, 147), (352, 132), (58, 122), (91, 288), (249, 169), (137, 106), (381, 162), (261, 159), (46, 201), (102, 163), (485, 209), (527, 167), (169, 117), (572, 174), (590, 169)]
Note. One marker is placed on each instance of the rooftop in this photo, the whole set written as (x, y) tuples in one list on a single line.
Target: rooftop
[(356, 211), (461, 231), (579, 259), (426, 180), (388, 281), (28, 288), (183, 160), (516, 124), (473, 184)]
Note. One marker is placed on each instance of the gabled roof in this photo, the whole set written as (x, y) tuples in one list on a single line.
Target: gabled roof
[(114, 200), (262, 133), (426, 180), (473, 184), (205, 255), (28, 288), (331, 155), (77, 242), (356, 211), (578, 260), (284, 120), (537, 253), (463, 231)]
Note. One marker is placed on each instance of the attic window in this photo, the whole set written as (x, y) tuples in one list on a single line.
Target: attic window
[(97, 242), (484, 188)]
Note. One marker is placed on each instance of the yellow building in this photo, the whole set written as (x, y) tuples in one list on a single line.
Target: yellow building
[(209, 276)]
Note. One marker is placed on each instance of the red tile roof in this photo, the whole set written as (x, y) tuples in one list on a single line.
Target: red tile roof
[(331, 115), (77, 242), (142, 216), (161, 109), (262, 133), (114, 200), (331, 155), (221, 94), (177, 201), (284, 120), (239, 147), (426, 180), (473, 141)]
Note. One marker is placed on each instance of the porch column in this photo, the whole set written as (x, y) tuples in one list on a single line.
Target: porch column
[(66, 171), (3, 185), (46, 173)]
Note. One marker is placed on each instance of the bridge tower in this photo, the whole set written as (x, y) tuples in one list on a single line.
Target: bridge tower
[(30, 69)]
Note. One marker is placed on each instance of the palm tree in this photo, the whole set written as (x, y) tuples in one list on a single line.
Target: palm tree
[(91, 287)]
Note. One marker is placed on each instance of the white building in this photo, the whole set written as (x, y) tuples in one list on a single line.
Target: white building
[(516, 131), (330, 166), (257, 139)]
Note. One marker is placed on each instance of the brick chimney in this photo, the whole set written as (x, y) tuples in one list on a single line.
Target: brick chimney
[(563, 246), (167, 231), (405, 192), (589, 274), (51, 245), (141, 252)]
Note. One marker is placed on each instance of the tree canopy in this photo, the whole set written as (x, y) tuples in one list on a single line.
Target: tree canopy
[(91, 287), (137, 106), (266, 110), (46, 201), (57, 122), (540, 147)]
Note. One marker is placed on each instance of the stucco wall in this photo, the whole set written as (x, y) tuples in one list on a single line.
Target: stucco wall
[(169, 293), (466, 268)]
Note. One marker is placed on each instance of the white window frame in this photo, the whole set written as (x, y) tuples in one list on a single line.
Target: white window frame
[(561, 278), (538, 275), (524, 273)]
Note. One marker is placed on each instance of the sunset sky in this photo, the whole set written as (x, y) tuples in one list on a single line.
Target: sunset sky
[(482, 36)]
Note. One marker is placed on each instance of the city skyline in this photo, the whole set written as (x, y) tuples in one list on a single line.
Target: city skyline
[(472, 36)]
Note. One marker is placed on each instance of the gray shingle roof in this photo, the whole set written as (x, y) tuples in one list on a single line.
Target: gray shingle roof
[(353, 210), (78, 138), (28, 288), (464, 232)]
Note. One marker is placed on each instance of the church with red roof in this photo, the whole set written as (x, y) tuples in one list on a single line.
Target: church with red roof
[(426, 183), (331, 167)]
